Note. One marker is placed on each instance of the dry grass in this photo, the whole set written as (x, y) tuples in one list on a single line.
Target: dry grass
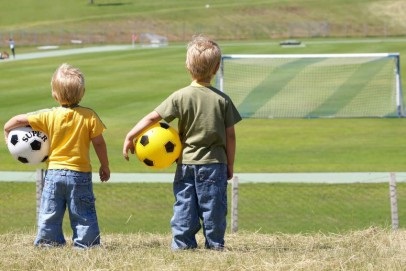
[(370, 249), (392, 11)]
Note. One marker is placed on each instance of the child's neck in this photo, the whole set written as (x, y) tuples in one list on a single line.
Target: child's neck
[(203, 82), (69, 106)]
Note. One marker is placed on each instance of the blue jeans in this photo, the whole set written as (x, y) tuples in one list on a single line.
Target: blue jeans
[(73, 190), (200, 195)]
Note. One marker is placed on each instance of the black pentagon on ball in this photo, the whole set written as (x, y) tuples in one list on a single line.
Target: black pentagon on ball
[(164, 125), (169, 146), (144, 140), (45, 158), (22, 159), (14, 139), (148, 162), (35, 145)]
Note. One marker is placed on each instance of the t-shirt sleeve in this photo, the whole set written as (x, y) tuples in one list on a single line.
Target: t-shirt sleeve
[(97, 125), (37, 120), (232, 114), (168, 109)]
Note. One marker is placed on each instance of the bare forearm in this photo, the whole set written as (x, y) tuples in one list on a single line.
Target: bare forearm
[(14, 122), (135, 132), (144, 123), (101, 152), (230, 150)]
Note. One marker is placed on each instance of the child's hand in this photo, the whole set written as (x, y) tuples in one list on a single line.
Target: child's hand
[(230, 172), (104, 173), (128, 146)]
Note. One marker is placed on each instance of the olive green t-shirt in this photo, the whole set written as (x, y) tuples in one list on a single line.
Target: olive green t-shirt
[(203, 114)]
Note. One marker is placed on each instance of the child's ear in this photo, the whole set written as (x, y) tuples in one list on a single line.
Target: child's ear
[(55, 96), (216, 69)]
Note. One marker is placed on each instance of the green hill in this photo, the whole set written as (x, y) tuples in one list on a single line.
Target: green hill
[(106, 21)]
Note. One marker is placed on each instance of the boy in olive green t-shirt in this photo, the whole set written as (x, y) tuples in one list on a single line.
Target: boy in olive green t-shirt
[(206, 119)]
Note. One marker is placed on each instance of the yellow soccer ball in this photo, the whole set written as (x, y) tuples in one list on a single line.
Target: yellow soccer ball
[(159, 146)]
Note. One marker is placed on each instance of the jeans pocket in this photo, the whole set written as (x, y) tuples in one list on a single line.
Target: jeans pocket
[(212, 173), (48, 200), (86, 205), (83, 196)]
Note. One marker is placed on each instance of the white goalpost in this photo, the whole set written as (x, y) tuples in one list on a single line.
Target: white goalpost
[(313, 85)]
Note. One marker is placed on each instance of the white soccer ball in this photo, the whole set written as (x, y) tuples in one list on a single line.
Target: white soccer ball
[(28, 146)]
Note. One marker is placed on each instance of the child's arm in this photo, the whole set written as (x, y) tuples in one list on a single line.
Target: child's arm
[(144, 123), (14, 122), (101, 150), (230, 150)]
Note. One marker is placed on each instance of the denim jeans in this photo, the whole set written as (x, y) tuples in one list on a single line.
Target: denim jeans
[(200, 195), (74, 191)]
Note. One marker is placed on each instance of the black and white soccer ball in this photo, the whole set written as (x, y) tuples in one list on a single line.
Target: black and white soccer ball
[(28, 146)]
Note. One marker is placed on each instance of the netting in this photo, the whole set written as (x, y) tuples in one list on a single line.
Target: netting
[(312, 86), (306, 203)]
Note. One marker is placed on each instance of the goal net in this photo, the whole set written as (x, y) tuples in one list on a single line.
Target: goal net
[(313, 85)]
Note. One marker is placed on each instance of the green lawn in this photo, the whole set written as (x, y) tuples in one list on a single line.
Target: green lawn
[(264, 208), (303, 223), (123, 86)]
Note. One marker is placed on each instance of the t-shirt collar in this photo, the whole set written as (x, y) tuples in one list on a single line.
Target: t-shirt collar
[(199, 84)]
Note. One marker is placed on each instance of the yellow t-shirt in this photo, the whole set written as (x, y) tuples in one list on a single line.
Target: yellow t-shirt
[(70, 131)]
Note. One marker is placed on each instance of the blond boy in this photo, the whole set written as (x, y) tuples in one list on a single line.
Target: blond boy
[(206, 119), (68, 179)]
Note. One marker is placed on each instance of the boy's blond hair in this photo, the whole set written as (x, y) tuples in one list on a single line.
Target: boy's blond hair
[(68, 85), (202, 58)]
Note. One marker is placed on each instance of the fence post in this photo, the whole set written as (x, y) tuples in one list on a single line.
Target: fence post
[(39, 187), (234, 204), (393, 201)]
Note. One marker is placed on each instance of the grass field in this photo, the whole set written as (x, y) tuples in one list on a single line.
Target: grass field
[(263, 208), (224, 19), (372, 249), (122, 86)]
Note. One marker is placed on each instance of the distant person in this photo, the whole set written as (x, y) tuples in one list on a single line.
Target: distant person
[(206, 119), (4, 55), (68, 179), (12, 47)]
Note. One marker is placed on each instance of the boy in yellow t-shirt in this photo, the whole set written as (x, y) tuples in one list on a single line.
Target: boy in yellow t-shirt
[(68, 179)]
